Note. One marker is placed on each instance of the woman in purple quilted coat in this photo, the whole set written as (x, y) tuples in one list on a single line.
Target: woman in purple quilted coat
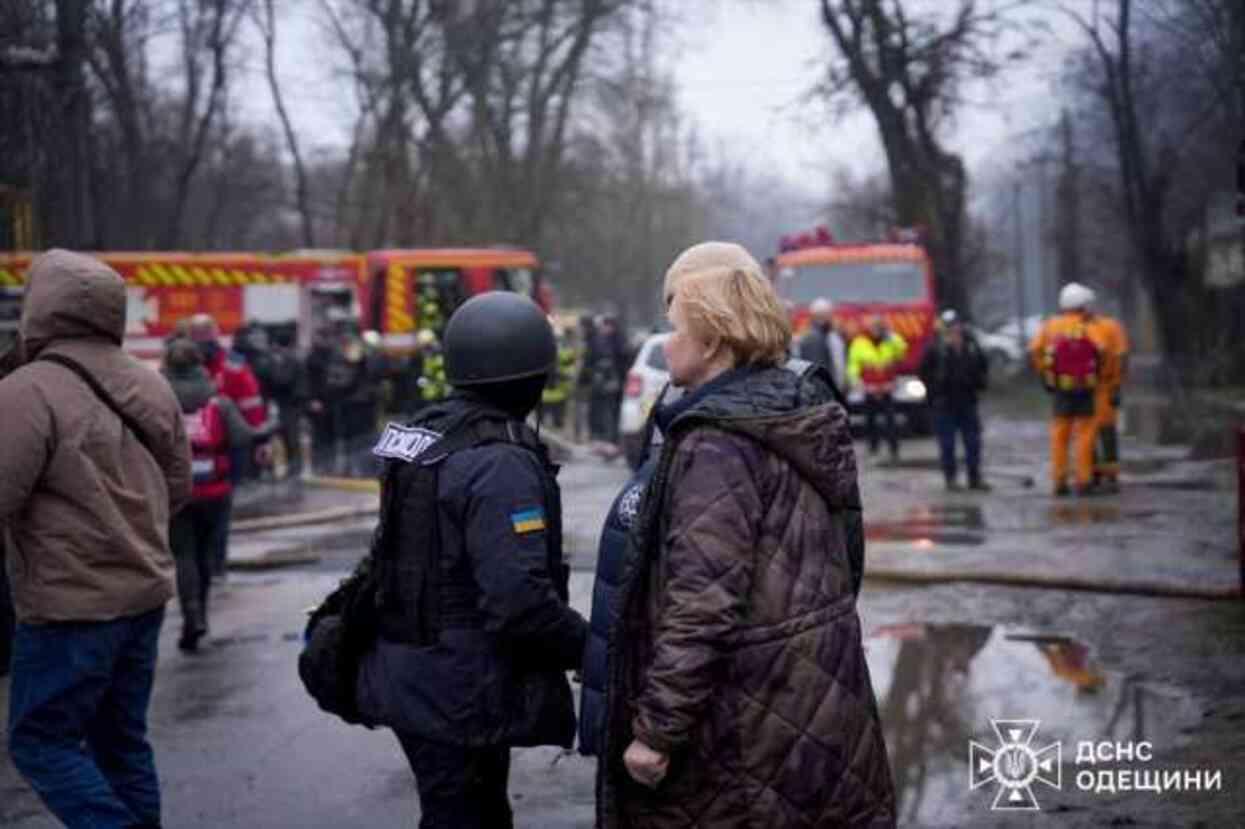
[(738, 694)]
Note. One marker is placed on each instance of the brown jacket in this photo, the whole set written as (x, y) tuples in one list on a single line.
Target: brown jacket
[(738, 648), (88, 506)]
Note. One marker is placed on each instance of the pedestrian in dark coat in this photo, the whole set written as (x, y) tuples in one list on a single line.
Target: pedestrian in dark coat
[(954, 372), (738, 692)]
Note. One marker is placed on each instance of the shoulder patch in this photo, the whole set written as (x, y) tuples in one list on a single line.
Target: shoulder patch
[(528, 520), (404, 443)]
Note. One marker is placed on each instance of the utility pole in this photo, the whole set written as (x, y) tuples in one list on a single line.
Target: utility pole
[(1019, 260), (1068, 219)]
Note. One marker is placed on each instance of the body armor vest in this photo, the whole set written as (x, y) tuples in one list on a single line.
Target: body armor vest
[(422, 588)]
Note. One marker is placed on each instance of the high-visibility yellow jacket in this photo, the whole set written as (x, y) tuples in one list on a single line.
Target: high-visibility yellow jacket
[(562, 382), (432, 383), (873, 364)]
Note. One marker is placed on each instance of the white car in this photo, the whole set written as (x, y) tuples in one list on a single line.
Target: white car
[(1006, 356), (649, 374)]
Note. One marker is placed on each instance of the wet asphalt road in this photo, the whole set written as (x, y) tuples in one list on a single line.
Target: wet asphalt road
[(240, 744)]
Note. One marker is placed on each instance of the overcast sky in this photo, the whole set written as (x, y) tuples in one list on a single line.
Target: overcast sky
[(742, 66)]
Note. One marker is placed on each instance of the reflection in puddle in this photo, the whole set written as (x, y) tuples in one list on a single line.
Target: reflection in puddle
[(938, 687), (926, 526), (1081, 513)]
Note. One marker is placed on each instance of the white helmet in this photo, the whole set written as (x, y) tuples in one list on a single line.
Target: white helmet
[(821, 305), (1074, 296)]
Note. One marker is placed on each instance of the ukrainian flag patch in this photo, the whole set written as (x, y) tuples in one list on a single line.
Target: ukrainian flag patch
[(528, 520)]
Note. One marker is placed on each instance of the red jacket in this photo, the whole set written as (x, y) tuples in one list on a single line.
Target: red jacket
[(236, 381)]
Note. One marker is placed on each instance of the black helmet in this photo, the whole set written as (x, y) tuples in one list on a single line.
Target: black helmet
[(495, 337)]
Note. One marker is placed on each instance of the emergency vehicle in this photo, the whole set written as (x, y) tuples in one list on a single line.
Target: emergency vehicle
[(405, 291), (893, 280), (163, 288)]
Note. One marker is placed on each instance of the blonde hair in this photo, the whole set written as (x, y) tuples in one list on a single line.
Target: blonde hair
[(724, 295)]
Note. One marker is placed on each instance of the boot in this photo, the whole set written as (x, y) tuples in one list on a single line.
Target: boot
[(1061, 489), (952, 484), (975, 482)]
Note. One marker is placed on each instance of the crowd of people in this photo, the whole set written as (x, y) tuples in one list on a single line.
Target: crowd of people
[(1081, 356), (722, 661)]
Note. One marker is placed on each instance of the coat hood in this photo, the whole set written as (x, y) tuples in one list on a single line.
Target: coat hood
[(791, 411), (193, 387), (71, 296)]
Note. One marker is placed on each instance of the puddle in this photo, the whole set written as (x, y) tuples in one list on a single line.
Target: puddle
[(927, 526), (1194, 485), (939, 686), (1079, 514)]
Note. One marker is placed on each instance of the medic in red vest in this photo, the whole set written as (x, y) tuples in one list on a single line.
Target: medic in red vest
[(229, 370)]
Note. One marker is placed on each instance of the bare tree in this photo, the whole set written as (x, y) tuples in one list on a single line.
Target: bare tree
[(208, 29), (265, 16), (909, 69), (1169, 136)]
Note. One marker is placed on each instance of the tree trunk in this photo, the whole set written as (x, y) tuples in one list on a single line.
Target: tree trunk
[(69, 211)]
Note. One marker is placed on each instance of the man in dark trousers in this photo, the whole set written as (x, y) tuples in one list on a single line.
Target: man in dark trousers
[(287, 387), (475, 630), (954, 371)]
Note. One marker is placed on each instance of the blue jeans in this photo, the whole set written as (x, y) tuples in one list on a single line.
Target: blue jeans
[(965, 421), (78, 719)]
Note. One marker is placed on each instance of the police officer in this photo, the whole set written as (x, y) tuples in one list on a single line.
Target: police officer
[(475, 630)]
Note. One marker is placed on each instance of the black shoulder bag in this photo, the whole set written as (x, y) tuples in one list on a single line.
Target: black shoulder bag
[(104, 397)]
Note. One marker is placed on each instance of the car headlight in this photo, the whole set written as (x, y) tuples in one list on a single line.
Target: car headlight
[(913, 389)]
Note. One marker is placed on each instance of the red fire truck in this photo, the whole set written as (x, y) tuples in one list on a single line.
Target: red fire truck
[(395, 292), (162, 288), (408, 290), (893, 280)]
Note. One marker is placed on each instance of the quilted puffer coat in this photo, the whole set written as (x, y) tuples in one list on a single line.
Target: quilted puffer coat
[(736, 647)]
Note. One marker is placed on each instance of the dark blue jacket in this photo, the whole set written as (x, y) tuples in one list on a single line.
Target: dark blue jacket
[(611, 558), (495, 674)]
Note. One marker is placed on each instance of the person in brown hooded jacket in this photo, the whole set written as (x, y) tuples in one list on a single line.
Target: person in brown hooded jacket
[(738, 693), (93, 462)]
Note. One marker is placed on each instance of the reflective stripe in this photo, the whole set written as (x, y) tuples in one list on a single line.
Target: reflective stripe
[(398, 340)]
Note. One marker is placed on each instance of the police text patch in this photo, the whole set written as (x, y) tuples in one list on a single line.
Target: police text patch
[(528, 520), (404, 443)]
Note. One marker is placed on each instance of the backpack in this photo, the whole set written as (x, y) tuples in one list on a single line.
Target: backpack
[(1074, 362)]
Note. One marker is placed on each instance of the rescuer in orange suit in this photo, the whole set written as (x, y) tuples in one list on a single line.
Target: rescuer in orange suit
[(1070, 365), (1112, 340)]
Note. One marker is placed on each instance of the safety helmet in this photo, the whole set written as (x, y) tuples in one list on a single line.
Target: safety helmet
[(495, 337), (949, 317), (1075, 296), (821, 305)]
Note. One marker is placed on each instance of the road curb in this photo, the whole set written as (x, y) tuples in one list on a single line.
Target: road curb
[(344, 484), (275, 560), (303, 519), (1134, 588)]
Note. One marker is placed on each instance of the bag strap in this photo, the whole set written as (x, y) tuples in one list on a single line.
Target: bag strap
[(104, 397)]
